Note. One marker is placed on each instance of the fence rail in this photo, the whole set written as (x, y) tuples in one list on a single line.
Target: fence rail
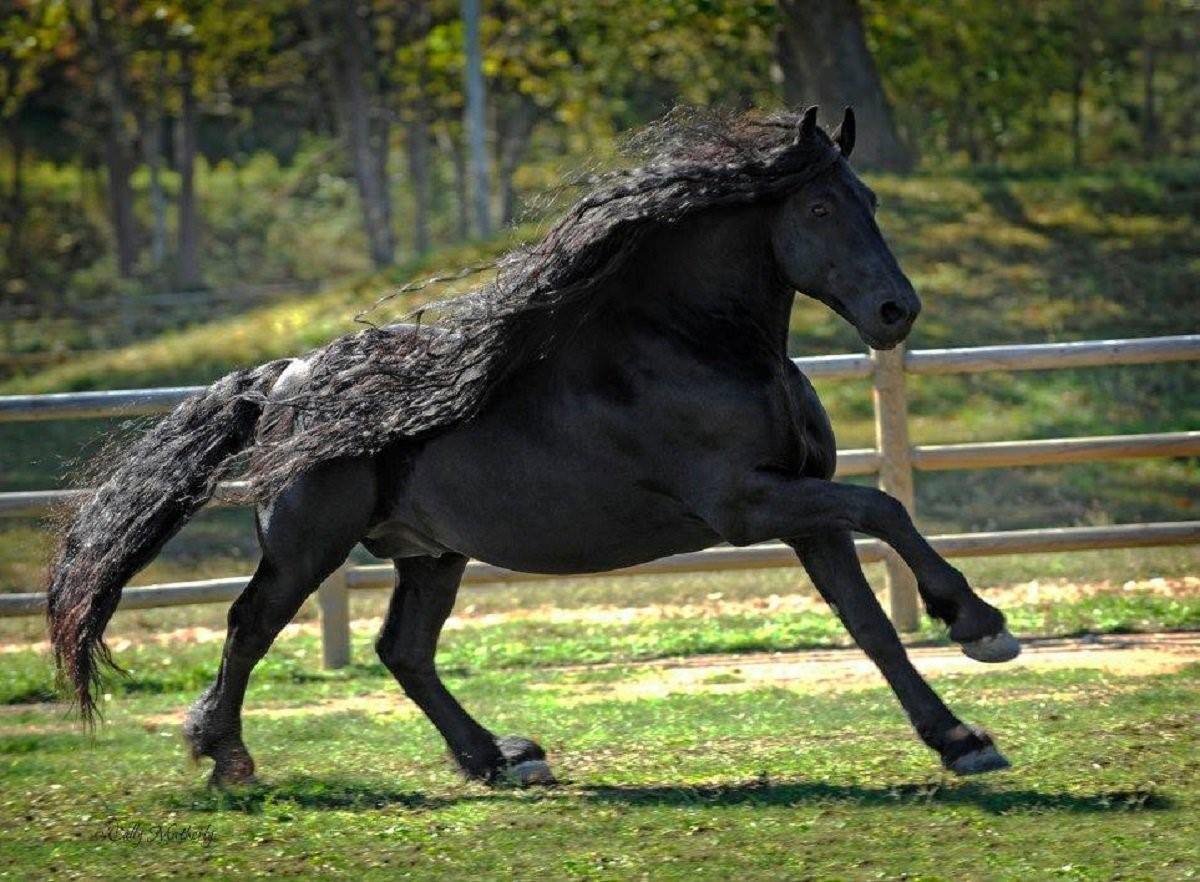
[(894, 459), (770, 555)]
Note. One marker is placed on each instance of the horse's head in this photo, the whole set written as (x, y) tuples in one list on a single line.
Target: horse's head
[(828, 246)]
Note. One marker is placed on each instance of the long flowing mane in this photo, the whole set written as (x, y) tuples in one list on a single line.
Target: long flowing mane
[(391, 384)]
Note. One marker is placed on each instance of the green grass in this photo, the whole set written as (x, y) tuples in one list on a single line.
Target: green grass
[(762, 784), (533, 642), (719, 782)]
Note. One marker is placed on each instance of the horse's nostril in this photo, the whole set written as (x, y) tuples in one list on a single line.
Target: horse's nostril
[(892, 312)]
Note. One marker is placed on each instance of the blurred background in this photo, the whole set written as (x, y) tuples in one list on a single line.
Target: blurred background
[(188, 187)]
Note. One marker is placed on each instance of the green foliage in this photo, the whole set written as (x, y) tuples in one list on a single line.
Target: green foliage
[(1029, 83), (1051, 81), (264, 223), (30, 37)]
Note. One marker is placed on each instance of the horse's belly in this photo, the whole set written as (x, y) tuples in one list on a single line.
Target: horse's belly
[(528, 508)]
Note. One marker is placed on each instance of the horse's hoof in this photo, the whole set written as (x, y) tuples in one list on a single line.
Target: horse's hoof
[(232, 767), (1000, 647), (530, 773), (229, 780), (978, 762), (524, 762)]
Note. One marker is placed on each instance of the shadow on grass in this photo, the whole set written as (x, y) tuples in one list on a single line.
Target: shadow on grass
[(315, 794), (802, 793), (341, 795)]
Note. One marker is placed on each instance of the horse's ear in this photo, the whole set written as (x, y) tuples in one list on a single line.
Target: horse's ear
[(808, 125), (843, 135)]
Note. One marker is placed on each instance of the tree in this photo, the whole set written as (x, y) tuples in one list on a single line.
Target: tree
[(344, 28), (411, 80), (825, 60), (185, 151), (475, 118), (107, 44), (29, 41)]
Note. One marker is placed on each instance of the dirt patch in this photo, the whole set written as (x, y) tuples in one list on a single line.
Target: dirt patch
[(376, 704), (819, 671), (843, 670), (1037, 591)]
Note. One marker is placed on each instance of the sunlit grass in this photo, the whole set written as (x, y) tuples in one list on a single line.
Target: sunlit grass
[(754, 784)]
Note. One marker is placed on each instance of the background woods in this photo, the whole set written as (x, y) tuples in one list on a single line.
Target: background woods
[(155, 145)]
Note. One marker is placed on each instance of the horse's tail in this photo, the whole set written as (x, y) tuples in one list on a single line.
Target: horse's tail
[(153, 490)]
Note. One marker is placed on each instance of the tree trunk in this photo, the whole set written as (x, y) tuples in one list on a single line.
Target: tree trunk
[(414, 30), (158, 199), (16, 201), (1077, 118), (120, 199), (474, 119), (1149, 109), (117, 160), (419, 175), (452, 147), (1081, 61), (190, 276), (367, 138), (1187, 90), (152, 148), (825, 60), (514, 130)]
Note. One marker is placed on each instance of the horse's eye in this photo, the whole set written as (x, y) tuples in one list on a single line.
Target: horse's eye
[(819, 209)]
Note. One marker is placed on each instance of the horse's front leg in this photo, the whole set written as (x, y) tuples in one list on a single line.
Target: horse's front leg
[(833, 566), (766, 505)]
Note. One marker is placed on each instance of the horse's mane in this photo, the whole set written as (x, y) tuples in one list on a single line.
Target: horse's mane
[(387, 384)]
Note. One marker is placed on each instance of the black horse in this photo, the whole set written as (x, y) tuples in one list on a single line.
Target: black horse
[(621, 392)]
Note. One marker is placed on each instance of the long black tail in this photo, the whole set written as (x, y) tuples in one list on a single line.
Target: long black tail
[(155, 488)]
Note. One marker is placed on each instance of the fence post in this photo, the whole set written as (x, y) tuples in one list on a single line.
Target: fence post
[(333, 599), (895, 473)]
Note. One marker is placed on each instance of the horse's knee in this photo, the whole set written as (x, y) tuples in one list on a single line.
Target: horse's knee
[(884, 513), (405, 665), (268, 603), (387, 654)]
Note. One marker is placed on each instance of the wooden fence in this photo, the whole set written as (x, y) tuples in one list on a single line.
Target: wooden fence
[(893, 458)]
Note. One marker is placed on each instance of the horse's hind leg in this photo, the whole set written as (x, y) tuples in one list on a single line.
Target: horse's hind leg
[(305, 535), (833, 565), (424, 595)]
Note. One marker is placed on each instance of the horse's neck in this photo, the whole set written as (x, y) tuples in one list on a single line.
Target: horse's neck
[(712, 277)]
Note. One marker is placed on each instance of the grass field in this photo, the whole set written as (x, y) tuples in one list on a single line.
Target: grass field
[(535, 633), (730, 779)]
